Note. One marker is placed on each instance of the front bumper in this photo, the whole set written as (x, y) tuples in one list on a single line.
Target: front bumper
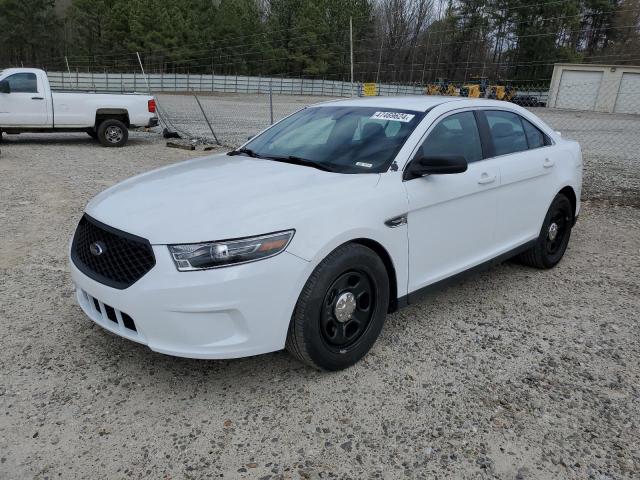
[(226, 312)]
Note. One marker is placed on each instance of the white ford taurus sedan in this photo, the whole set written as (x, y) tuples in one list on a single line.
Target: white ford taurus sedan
[(310, 233)]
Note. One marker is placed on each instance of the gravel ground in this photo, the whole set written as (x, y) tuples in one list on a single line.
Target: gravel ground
[(514, 373)]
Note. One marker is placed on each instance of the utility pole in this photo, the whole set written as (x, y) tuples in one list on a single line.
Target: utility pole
[(351, 49), (67, 61), (379, 61), (143, 74)]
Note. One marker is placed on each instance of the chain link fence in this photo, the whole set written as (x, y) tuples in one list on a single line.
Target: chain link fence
[(229, 109)]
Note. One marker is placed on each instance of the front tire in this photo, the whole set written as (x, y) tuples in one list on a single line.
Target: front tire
[(113, 133), (554, 235), (341, 310)]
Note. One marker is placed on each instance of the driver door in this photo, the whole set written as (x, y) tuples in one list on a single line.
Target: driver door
[(26, 105), (452, 218)]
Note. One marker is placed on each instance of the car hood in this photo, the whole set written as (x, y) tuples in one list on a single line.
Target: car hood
[(222, 197)]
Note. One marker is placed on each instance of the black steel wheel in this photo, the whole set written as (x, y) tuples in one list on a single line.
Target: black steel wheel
[(341, 310), (554, 235), (347, 309), (557, 231)]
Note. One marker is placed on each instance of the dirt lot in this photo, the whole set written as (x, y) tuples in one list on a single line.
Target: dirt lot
[(514, 373)]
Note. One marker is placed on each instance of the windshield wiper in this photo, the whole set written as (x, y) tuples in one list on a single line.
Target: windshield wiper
[(301, 161), (244, 151)]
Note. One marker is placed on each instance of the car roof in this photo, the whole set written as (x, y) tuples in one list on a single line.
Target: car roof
[(419, 103), (422, 103)]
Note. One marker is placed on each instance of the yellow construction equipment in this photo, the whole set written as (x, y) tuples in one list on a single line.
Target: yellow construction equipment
[(502, 92), (442, 87), (471, 90), (475, 88), (433, 89), (451, 90)]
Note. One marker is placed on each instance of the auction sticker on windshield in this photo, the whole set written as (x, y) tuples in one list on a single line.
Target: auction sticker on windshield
[(397, 116)]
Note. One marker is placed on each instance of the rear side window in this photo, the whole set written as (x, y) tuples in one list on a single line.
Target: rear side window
[(507, 132), (23, 83), (535, 137), (455, 135)]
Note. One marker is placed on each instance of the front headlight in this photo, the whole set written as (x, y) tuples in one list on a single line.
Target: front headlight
[(200, 256)]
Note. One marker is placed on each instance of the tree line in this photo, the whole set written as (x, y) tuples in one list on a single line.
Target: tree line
[(410, 41)]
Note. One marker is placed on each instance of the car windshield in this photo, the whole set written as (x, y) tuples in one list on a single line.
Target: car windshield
[(339, 139)]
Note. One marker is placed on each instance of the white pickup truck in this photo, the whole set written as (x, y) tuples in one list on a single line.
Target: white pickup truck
[(27, 104)]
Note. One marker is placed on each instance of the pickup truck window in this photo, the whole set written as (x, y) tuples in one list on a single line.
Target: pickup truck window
[(23, 83)]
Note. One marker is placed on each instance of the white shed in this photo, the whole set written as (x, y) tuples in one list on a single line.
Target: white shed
[(600, 88)]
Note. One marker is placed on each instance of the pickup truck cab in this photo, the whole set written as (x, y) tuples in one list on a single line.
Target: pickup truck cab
[(27, 104)]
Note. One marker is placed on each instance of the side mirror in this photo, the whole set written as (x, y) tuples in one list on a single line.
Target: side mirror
[(5, 87), (436, 165)]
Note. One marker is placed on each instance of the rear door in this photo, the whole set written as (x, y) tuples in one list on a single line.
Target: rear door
[(526, 159), (26, 105), (452, 218)]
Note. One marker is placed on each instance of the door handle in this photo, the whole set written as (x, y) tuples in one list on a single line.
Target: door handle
[(486, 178), (37, 98), (548, 163)]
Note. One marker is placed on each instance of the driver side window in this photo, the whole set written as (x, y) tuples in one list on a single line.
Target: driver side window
[(457, 134), (23, 83)]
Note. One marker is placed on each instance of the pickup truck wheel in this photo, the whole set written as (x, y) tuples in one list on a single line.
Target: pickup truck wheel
[(554, 235), (92, 133), (113, 133), (341, 310)]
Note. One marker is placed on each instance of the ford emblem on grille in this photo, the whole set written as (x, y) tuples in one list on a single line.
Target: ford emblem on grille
[(97, 248)]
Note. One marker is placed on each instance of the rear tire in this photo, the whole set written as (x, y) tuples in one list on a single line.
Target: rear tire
[(113, 133), (341, 310), (554, 236)]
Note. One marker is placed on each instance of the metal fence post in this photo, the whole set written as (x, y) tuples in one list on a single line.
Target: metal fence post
[(206, 119), (271, 102)]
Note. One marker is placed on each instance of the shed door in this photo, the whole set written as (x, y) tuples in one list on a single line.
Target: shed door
[(628, 99), (578, 89)]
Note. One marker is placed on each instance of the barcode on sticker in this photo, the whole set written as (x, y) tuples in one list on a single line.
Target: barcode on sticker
[(397, 116), (362, 164)]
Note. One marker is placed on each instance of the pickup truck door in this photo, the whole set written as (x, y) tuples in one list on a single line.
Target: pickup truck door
[(27, 104), (452, 218)]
